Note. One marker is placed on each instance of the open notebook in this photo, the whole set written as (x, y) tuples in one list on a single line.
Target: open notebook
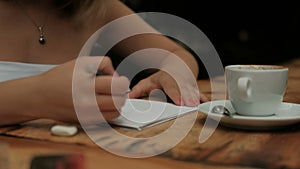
[(139, 114)]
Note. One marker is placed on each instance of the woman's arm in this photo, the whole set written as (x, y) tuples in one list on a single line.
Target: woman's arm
[(49, 95), (19, 100), (180, 85), (117, 9)]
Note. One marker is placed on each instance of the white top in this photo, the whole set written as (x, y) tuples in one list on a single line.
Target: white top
[(14, 70)]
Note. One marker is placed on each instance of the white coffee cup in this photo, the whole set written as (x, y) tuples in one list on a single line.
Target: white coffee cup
[(256, 90)]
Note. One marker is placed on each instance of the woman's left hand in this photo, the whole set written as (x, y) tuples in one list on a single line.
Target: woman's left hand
[(181, 89)]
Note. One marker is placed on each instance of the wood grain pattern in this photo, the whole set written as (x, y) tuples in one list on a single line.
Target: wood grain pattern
[(22, 151), (4, 159)]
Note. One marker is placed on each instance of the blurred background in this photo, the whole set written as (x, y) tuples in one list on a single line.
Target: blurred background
[(242, 32)]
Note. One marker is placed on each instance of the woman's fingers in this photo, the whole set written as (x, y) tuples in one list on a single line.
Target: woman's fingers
[(204, 98), (181, 94), (144, 87), (181, 91), (111, 85), (110, 102), (96, 64), (106, 66), (107, 105), (171, 89)]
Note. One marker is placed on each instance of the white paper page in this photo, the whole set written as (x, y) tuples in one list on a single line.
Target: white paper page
[(139, 114)]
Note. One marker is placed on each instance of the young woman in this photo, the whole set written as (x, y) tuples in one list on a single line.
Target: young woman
[(39, 44)]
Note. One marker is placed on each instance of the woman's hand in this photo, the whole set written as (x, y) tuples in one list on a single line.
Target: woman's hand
[(183, 90), (59, 87)]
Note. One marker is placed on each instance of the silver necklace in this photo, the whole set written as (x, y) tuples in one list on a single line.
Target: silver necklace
[(40, 27)]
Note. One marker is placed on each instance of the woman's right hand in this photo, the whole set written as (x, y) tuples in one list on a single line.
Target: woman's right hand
[(59, 87)]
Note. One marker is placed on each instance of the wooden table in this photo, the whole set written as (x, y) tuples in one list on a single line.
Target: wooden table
[(226, 148)]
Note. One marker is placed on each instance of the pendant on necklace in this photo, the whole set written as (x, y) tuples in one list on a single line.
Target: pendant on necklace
[(42, 39)]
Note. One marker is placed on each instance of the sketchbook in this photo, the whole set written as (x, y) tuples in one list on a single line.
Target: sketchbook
[(139, 114)]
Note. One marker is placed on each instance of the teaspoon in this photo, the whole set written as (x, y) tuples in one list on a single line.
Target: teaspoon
[(219, 109)]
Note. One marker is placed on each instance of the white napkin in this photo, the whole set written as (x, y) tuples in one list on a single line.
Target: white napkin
[(139, 114)]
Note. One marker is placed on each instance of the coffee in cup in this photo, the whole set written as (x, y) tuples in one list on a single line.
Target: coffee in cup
[(256, 90)]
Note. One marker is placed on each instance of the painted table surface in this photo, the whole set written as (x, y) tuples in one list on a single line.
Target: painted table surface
[(226, 148)]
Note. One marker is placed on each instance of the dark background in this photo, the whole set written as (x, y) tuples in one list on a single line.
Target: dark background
[(242, 32)]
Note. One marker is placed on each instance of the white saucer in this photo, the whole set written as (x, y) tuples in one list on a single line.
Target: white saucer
[(288, 114)]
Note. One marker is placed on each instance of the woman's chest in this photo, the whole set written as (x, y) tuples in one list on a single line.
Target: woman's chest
[(21, 42)]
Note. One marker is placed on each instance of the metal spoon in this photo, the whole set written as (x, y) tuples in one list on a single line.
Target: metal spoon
[(219, 109)]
